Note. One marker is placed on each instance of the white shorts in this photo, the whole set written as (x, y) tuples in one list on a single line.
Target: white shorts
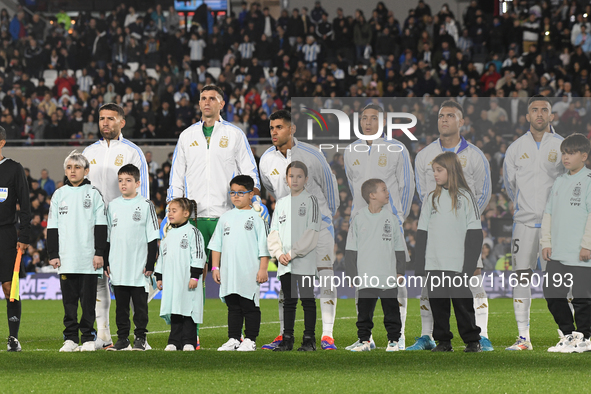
[(325, 249), (525, 248)]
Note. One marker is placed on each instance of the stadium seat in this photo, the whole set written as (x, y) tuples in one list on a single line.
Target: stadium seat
[(152, 73), (479, 67), (71, 73), (35, 81), (78, 73), (214, 71), (128, 73), (50, 76), (133, 66)]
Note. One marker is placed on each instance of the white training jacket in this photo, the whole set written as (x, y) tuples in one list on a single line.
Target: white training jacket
[(363, 162), (203, 174), (322, 183), (529, 173), (106, 160), (474, 163)]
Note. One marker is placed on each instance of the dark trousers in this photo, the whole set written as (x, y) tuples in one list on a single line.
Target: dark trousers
[(366, 305), (290, 284), (79, 287), (560, 278), (242, 310), (8, 239), (441, 299), (123, 294), (183, 331)]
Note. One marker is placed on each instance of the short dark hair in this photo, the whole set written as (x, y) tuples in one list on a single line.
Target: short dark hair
[(130, 169), (281, 114), (538, 97), (2, 134), (297, 164), (243, 180), (575, 143), (452, 104), (370, 186), (215, 88), (372, 106), (113, 107)]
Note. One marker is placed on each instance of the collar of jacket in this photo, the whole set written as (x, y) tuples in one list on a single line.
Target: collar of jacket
[(68, 183), (178, 225), (463, 145), (119, 138)]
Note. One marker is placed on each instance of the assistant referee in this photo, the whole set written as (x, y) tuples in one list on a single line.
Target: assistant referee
[(14, 190)]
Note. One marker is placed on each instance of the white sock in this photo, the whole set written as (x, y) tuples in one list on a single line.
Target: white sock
[(569, 297), (402, 302), (480, 306), (281, 300), (521, 305), (103, 303), (328, 302), (426, 314)]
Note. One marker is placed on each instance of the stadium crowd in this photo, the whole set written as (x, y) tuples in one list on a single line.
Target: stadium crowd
[(57, 72)]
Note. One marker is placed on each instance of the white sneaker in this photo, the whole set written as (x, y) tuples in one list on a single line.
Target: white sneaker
[(372, 344), (247, 345), (69, 346), (521, 344), (229, 346), (393, 347), (584, 344), (560, 345), (354, 345), (362, 347), (88, 346), (188, 348), (170, 348), (572, 343), (401, 343), (102, 344)]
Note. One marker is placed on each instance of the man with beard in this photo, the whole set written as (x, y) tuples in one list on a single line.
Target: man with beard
[(106, 157), (532, 164)]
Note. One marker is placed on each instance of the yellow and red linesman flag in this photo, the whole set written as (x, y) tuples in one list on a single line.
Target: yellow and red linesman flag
[(15, 286)]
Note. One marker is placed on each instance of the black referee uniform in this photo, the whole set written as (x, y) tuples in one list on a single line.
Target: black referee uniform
[(14, 189)]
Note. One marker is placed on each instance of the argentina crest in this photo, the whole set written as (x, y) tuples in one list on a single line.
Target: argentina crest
[(552, 156), (387, 235), (577, 190), (387, 227), (249, 225), (224, 142), (184, 242), (87, 202), (302, 210), (137, 215)]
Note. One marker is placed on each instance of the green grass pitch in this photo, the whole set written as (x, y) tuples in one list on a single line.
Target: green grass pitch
[(41, 368)]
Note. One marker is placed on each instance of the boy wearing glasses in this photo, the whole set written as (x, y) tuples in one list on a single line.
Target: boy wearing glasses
[(240, 258)]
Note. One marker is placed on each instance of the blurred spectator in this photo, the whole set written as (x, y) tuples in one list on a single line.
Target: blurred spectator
[(46, 182)]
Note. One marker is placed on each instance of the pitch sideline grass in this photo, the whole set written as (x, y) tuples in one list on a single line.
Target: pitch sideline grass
[(41, 368)]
